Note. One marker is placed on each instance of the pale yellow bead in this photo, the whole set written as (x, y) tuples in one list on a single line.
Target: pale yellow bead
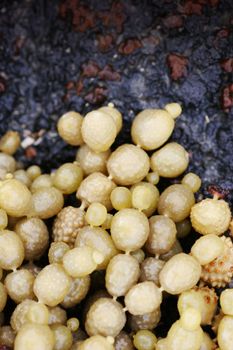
[(161, 344), (121, 274), (129, 229), (204, 300), (144, 297), (179, 338), (11, 250), (190, 319), (226, 301), (90, 161), (38, 313), (170, 161), (98, 131), (174, 109), (52, 284), (15, 198), (193, 181), (81, 261), (225, 334), (96, 214), (69, 128), (128, 165), (180, 273), (142, 197), (96, 342), (34, 337), (151, 128), (211, 216), (114, 113), (207, 248)]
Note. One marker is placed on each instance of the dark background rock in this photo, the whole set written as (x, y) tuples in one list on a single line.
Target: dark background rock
[(61, 55)]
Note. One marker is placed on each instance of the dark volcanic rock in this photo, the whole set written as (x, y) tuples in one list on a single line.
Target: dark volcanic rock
[(73, 54)]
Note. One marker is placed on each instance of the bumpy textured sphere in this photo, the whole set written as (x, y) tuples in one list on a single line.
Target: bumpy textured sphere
[(128, 164), (96, 188), (211, 216), (162, 235), (114, 113), (182, 339), (96, 342), (99, 131), (52, 285), (91, 161), (78, 290), (180, 273), (11, 250), (15, 198), (225, 334), (121, 274), (176, 202), (34, 235), (129, 229), (67, 224), (69, 128), (151, 128), (47, 202), (219, 272), (105, 317), (144, 297), (202, 299), (170, 161), (99, 240), (207, 248), (34, 337)]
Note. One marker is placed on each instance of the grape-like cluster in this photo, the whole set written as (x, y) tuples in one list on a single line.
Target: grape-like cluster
[(125, 233)]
